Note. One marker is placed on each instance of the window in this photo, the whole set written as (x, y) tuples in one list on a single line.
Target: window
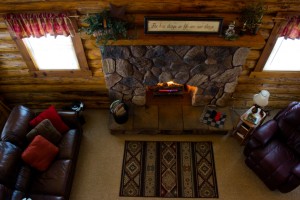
[(49, 43), (284, 56), (280, 55), (52, 53)]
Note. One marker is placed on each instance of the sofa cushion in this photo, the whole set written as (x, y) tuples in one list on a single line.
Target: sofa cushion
[(45, 129), (5, 192), (53, 116), (40, 153), (55, 181), (9, 163), (24, 177), (68, 146)]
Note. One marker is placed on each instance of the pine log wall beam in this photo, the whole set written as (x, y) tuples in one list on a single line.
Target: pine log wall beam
[(17, 86)]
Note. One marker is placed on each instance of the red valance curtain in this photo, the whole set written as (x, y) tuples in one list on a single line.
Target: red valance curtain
[(292, 28), (39, 24)]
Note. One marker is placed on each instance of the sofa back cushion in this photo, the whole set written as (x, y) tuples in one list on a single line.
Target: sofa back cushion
[(290, 127), (45, 129), (53, 116), (17, 126)]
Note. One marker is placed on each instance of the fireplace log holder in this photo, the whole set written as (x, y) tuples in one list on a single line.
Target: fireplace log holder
[(119, 110)]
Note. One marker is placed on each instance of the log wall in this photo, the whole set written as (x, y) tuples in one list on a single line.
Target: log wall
[(17, 86)]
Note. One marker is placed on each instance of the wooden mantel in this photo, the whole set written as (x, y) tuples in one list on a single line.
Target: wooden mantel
[(252, 41)]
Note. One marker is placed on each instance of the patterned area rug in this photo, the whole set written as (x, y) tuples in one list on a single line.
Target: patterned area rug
[(168, 169)]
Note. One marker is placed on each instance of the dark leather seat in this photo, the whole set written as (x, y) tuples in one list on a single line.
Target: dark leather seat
[(273, 151)]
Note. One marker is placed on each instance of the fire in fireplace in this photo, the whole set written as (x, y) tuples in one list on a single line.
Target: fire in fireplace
[(167, 88)]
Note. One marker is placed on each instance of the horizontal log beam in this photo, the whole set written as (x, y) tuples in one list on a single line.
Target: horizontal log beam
[(8, 46), (269, 80), (51, 88), (4, 35), (275, 74), (60, 105), (271, 88), (271, 105), (12, 64), (10, 56), (142, 6), (46, 97), (26, 80), (274, 96), (59, 73)]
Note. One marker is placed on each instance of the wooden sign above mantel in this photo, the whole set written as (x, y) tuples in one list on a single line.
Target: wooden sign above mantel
[(251, 41)]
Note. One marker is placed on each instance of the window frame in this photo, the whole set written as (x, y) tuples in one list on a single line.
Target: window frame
[(258, 70), (79, 51)]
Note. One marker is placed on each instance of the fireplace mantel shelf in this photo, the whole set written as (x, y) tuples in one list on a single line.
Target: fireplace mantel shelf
[(251, 41)]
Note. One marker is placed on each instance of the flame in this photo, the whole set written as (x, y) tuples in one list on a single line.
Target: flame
[(191, 88), (169, 83)]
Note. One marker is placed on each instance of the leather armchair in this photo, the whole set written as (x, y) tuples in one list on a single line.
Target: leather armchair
[(273, 151)]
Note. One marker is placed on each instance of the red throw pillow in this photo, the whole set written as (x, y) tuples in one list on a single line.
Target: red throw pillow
[(40, 153), (53, 116)]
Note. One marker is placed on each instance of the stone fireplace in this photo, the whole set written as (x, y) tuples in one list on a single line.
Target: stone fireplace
[(212, 72)]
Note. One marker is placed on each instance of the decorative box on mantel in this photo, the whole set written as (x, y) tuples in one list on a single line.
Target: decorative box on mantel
[(212, 72)]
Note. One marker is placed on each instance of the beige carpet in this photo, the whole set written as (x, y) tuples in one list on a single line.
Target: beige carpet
[(100, 160)]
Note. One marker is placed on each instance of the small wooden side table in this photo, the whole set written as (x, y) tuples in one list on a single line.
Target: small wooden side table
[(246, 126)]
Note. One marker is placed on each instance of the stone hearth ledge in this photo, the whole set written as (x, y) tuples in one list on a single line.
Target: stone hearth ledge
[(171, 119)]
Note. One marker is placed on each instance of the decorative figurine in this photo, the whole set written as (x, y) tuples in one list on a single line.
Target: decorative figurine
[(230, 32)]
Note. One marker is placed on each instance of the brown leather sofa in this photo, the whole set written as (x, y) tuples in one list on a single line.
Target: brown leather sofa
[(273, 152), (17, 179)]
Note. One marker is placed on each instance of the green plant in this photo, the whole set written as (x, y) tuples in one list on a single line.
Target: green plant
[(105, 28), (251, 15)]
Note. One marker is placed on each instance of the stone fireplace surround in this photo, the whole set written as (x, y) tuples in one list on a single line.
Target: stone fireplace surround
[(212, 71)]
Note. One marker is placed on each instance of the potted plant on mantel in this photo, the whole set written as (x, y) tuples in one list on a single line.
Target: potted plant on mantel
[(105, 26), (251, 17)]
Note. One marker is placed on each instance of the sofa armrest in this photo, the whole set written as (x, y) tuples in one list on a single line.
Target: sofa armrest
[(296, 170), (71, 119), (293, 180), (265, 132), (261, 136)]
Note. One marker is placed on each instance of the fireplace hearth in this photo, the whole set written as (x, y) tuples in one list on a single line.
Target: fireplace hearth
[(211, 71)]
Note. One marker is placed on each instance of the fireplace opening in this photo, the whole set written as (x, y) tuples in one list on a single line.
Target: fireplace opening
[(168, 88), (168, 93)]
